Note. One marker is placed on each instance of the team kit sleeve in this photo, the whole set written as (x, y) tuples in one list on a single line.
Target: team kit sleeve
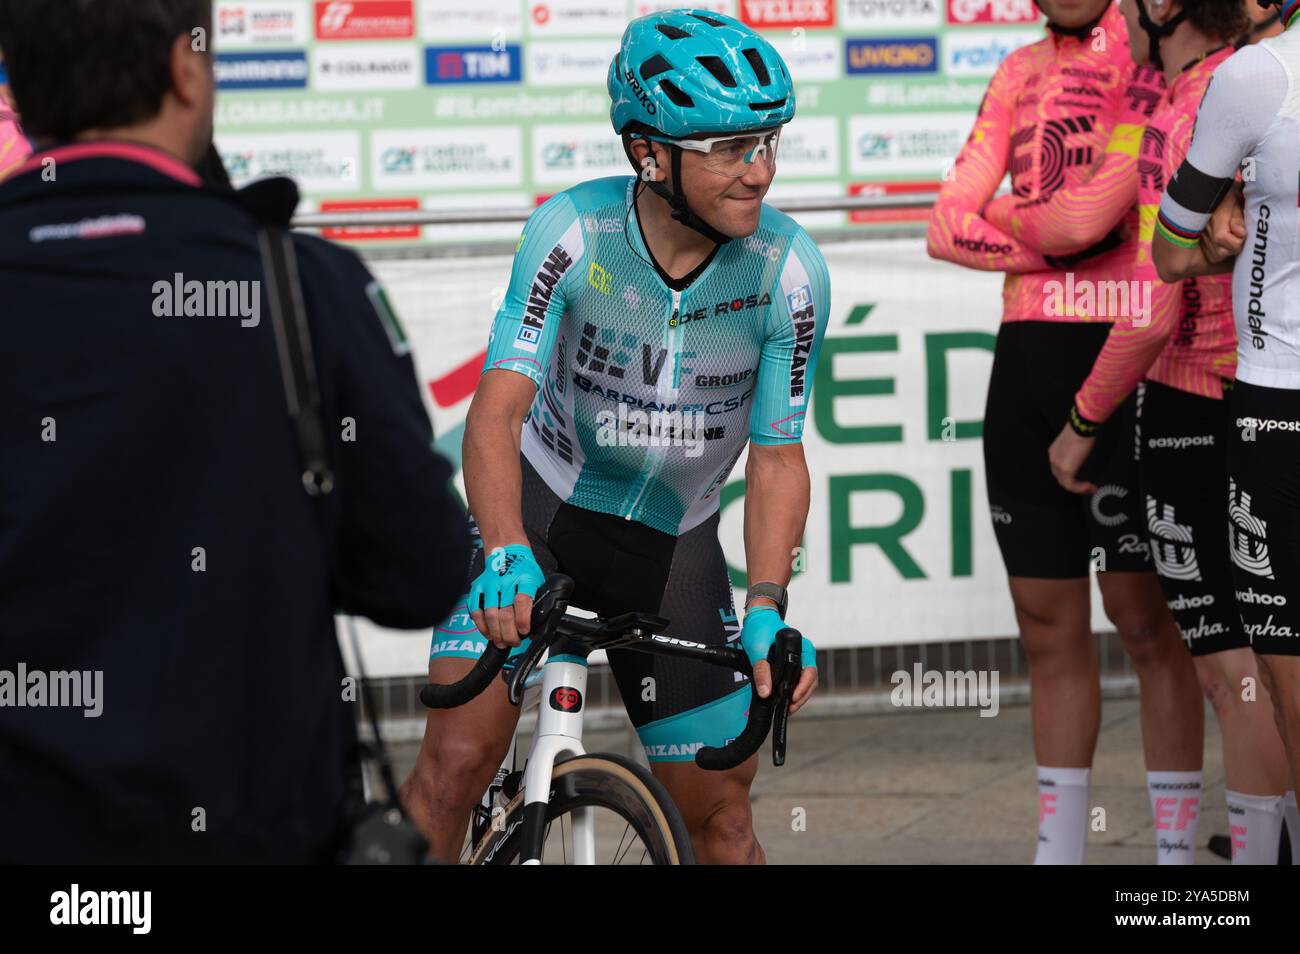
[(1242, 102), (796, 325), (958, 232), (547, 257), (1078, 217), (1133, 346)]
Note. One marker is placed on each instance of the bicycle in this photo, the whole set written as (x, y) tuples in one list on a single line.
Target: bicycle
[(560, 779)]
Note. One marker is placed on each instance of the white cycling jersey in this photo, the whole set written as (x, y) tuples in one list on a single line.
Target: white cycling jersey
[(1250, 120)]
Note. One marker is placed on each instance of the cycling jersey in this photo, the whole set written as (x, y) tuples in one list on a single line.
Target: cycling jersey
[(1077, 217), (14, 147), (1252, 111), (1046, 118), (647, 392), (620, 566), (1183, 335)]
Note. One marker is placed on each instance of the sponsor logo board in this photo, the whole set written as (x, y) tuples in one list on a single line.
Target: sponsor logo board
[(446, 158)]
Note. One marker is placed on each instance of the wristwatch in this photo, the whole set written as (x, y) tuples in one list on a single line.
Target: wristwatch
[(772, 591)]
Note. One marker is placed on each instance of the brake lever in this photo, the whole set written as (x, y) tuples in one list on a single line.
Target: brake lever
[(786, 672), (527, 663), (548, 610)]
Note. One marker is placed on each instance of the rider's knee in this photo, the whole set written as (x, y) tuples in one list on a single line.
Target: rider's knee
[(1039, 613), (454, 771), (1144, 632)]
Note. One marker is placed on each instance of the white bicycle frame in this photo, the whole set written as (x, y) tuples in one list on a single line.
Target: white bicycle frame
[(558, 734)]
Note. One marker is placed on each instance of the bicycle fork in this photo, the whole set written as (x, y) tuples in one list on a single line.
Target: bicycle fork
[(558, 734)]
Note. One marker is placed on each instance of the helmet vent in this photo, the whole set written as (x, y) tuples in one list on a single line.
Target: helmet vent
[(718, 68), (654, 66), (676, 95), (672, 32), (759, 67), (763, 107), (709, 20)]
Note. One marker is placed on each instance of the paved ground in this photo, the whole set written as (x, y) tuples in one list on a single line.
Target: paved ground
[(943, 787)]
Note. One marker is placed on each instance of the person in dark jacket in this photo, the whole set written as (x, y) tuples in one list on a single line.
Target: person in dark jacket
[(171, 686)]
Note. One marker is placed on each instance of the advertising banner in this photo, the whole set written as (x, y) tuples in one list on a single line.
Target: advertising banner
[(440, 102)]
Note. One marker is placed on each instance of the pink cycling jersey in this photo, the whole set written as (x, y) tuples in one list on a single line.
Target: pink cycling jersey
[(1046, 118), (1189, 341), (13, 145), (1079, 216)]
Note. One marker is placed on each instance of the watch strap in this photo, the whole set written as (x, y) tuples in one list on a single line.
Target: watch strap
[(772, 591)]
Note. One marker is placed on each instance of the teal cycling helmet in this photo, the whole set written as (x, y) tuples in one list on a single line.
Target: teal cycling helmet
[(686, 72)]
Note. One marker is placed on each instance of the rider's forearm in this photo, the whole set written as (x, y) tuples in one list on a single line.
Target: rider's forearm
[(777, 490), (1076, 218), (493, 480), (1176, 263)]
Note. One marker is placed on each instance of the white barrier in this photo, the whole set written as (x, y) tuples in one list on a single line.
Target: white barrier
[(899, 547)]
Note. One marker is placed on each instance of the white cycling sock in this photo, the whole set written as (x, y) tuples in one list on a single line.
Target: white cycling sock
[(1176, 807), (1292, 826), (1062, 815), (1255, 827)]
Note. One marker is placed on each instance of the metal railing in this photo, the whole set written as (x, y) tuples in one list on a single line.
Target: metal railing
[(338, 220)]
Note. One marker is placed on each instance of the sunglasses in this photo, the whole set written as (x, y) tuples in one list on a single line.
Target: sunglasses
[(731, 156)]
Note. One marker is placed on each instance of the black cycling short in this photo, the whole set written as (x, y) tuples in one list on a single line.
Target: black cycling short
[(1184, 475), (1264, 515), (620, 566), (1043, 530)]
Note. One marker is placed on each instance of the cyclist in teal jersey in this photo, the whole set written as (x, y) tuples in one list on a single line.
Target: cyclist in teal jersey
[(654, 327)]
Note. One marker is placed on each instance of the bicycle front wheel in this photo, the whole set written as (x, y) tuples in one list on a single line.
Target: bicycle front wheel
[(635, 820)]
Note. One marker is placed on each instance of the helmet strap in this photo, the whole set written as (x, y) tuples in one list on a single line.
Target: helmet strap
[(676, 200), (1157, 31)]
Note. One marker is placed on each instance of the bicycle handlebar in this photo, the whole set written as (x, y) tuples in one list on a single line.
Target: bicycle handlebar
[(436, 696), (554, 595), (786, 661), (640, 632)]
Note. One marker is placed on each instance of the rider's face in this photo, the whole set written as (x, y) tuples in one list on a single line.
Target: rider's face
[(732, 206), (1073, 13)]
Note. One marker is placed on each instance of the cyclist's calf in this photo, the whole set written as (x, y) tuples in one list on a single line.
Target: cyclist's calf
[(461, 751), (1222, 676)]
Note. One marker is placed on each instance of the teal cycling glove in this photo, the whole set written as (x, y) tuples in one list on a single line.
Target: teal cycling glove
[(507, 572), (759, 633)]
